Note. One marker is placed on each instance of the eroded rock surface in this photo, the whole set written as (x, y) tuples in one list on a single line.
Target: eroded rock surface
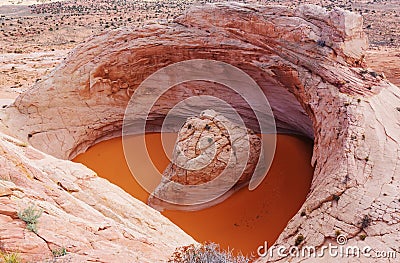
[(207, 147), (94, 220), (310, 64)]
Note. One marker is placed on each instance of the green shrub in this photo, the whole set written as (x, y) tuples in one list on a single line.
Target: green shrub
[(62, 251), (365, 222), (205, 253), (9, 257), (30, 216), (335, 197), (298, 240)]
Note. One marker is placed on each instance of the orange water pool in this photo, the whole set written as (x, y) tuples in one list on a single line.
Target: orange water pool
[(243, 221)]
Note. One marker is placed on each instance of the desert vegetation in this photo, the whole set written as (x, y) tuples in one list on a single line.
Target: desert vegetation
[(206, 253), (60, 25), (50, 29), (9, 257), (59, 252), (30, 216)]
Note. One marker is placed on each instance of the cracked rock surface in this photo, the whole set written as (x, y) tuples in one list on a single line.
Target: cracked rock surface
[(310, 64), (207, 147), (94, 220)]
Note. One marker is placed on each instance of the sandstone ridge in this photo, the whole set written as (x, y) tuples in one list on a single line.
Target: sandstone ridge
[(94, 220)]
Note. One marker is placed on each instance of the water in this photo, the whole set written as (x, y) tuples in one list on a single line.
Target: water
[(243, 221)]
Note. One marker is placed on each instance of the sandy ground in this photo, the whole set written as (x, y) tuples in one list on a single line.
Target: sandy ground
[(19, 71), (25, 2), (34, 39)]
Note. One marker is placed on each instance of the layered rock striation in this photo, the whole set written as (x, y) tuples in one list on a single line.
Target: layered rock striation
[(92, 219)]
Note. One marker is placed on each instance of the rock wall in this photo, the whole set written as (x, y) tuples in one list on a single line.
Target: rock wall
[(94, 220), (310, 64)]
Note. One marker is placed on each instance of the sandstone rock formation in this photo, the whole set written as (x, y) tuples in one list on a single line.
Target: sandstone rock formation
[(202, 153), (92, 219), (310, 64), (387, 61)]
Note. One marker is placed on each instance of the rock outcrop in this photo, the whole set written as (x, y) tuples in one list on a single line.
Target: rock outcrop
[(387, 61), (94, 220), (207, 147), (310, 64)]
